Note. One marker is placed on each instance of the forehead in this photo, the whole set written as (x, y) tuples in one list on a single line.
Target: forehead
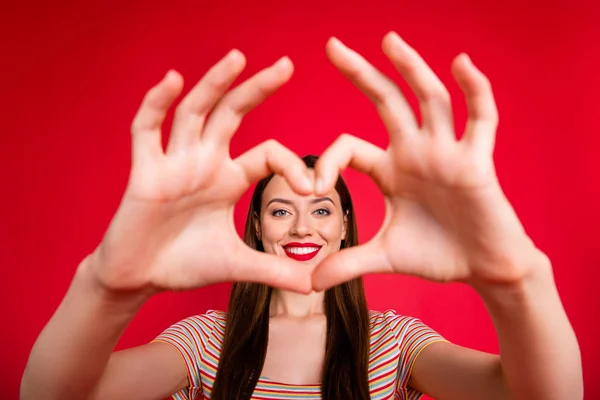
[(279, 188)]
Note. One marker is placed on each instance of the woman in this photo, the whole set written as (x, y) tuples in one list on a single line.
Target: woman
[(446, 220), (326, 336)]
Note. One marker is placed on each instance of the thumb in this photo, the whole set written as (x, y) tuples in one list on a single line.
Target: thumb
[(350, 263), (280, 272)]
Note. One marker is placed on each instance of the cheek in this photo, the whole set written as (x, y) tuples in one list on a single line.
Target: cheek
[(273, 231), (332, 230)]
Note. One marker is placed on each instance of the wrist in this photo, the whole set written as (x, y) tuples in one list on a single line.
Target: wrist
[(88, 279), (537, 280)]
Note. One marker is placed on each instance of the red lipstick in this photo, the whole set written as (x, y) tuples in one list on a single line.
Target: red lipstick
[(304, 256)]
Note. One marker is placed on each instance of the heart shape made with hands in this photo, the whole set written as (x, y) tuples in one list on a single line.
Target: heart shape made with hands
[(447, 218)]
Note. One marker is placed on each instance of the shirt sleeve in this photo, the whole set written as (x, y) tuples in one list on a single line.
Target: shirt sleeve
[(413, 336), (189, 337)]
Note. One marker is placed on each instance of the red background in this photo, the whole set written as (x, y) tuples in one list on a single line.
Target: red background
[(74, 74)]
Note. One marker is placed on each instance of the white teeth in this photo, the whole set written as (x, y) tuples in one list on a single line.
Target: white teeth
[(302, 250)]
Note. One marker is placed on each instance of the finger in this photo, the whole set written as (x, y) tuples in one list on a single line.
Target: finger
[(481, 125), (228, 114), (434, 99), (279, 272), (350, 263), (272, 157), (395, 112), (348, 150), (194, 108), (146, 126)]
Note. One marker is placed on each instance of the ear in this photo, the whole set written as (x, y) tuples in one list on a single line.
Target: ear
[(257, 228), (345, 225)]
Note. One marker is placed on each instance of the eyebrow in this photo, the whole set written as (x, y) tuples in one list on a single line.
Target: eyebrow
[(313, 201)]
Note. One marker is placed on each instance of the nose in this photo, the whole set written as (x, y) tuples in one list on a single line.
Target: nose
[(302, 226)]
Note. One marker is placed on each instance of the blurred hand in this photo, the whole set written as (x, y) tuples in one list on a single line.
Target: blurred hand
[(447, 218), (174, 228)]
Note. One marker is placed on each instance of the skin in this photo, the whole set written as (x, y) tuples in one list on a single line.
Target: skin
[(447, 219), (297, 325), (288, 217)]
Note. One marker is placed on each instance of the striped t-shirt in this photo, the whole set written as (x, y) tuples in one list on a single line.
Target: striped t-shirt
[(396, 341)]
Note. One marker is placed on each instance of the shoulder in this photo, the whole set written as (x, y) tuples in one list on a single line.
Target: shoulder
[(207, 322), (197, 339), (390, 319), (409, 336), (198, 328), (407, 330)]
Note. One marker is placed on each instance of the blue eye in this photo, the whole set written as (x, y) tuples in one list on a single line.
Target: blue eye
[(279, 213), (322, 212)]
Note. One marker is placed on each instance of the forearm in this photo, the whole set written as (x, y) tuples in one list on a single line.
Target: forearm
[(539, 351), (72, 351)]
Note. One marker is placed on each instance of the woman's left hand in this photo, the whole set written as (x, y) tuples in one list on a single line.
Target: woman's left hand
[(447, 218)]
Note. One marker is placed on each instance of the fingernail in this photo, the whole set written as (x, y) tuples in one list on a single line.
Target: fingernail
[(169, 75), (172, 77), (283, 62), (396, 39), (234, 54), (319, 185), (336, 42), (307, 183)]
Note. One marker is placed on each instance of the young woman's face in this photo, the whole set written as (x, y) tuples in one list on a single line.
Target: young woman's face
[(304, 228)]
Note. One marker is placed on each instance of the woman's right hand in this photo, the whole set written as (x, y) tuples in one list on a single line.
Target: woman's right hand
[(174, 228)]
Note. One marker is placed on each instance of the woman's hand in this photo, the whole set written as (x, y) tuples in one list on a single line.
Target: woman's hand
[(447, 218), (174, 228)]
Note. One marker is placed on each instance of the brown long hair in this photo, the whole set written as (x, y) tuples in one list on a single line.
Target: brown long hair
[(345, 370)]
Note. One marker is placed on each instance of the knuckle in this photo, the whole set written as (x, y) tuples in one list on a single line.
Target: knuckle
[(151, 95), (486, 83), (287, 170), (271, 144), (439, 94), (385, 96), (346, 139), (263, 89), (494, 118), (488, 117), (355, 72), (135, 126), (270, 148), (435, 93), (218, 82), (138, 124), (229, 107), (183, 108)]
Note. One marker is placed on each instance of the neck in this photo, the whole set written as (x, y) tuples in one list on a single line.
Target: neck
[(296, 305)]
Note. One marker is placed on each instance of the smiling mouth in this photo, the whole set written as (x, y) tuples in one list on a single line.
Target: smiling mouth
[(301, 251)]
